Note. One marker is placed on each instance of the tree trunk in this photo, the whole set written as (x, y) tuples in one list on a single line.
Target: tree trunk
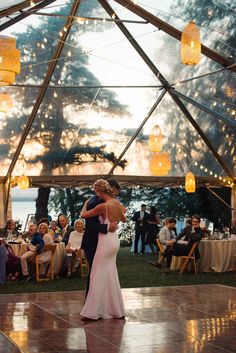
[(42, 203)]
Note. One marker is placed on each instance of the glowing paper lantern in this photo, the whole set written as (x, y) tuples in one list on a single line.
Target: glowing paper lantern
[(9, 60), (190, 45), (6, 102), (160, 164), (155, 139), (190, 183), (230, 91), (23, 182)]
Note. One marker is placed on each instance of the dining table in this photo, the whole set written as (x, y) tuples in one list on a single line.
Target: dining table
[(18, 249), (218, 255)]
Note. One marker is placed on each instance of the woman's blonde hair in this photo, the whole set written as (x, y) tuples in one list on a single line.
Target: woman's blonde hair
[(101, 185), (44, 225)]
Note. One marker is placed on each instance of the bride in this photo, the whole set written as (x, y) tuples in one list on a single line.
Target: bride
[(104, 298)]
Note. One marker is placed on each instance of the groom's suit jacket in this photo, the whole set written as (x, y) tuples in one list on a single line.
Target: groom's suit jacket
[(92, 228)]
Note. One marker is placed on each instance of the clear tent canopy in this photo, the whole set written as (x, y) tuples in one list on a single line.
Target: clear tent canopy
[(97, 75)]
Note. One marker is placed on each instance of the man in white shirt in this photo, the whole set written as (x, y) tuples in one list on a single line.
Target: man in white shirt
[(166, 236)]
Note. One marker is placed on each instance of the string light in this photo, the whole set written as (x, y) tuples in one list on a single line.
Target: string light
[(206, 170)]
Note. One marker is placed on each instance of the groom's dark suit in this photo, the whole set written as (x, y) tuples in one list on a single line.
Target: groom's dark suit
[(90, 237)]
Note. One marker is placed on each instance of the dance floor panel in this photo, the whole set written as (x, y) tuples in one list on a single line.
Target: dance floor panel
[(181, 319)]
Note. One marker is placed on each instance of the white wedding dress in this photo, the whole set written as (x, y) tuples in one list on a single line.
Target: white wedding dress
[(104, 298)]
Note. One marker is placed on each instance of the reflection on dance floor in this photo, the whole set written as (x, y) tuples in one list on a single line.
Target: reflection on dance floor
[(183, 319)]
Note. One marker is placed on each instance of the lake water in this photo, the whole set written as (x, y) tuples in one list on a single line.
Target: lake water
[(21, 209)]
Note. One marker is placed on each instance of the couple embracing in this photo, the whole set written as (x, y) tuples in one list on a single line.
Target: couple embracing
[(101, 244)]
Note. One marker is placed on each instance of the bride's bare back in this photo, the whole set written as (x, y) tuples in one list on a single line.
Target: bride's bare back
[(115, 211)]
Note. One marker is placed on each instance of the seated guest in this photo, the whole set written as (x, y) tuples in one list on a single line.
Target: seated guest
[(166, 235), (9, 231), (36, 244), (12, 266), (45, 256), (74, 244), (3, 261), (66, 228), (191, 234), (56, 231), (45, 220)]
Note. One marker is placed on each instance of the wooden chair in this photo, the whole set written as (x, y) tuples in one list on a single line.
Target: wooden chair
[(188, 258), (160, 247), (84, 268), (50, 268)]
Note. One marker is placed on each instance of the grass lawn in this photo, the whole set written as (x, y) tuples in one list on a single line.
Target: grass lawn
[(134, 271)]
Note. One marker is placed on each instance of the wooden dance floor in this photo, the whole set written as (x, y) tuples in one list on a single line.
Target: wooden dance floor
[(182, 319)]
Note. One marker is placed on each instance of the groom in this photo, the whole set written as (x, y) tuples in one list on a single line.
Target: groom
[(93, 228)]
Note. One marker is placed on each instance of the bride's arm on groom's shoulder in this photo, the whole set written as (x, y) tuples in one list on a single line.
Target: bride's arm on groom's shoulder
[(99, 209)]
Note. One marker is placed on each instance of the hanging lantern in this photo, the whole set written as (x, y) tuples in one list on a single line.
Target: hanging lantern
[(230, 91), (190, 183), (9, 60), (6, 102), (155, 139), (190, 45), (160, 164), (23, 182)]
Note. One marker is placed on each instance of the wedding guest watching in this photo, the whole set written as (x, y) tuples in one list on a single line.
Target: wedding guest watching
[(66, 228), (74, 244), (45, 256), (56, 231), (36, 244), (166, 237), (176, 248), (153, 229), (141, 226), (9, 231), (3, 261)]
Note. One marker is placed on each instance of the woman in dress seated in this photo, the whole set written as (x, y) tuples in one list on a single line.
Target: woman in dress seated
[(104, 298)]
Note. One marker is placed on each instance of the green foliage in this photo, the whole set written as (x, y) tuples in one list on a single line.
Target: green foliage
[(169, 203), (51, 128)]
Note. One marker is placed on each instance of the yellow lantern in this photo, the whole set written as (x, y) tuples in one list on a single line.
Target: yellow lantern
[(9, 60), (190, 183), (230, 91), (6, 102), (155, 139), (190, 45), (23, 182), (160, 164)]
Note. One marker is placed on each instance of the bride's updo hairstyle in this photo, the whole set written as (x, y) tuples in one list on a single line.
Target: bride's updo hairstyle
[(101, 185)]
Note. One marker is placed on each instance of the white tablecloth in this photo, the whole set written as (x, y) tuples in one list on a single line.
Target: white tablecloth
[(20, 249), (217, 255)]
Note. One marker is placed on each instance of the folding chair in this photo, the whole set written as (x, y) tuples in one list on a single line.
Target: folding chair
[(189, 257), (82, 263), (50, 268), (160, 247)]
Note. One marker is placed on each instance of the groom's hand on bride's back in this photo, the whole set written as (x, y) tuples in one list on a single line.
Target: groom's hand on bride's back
[(112, 227)]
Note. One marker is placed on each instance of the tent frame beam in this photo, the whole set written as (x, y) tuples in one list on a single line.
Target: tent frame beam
[(166, 85), (40, 96), (173, 32), (19, 7), (204, 108)]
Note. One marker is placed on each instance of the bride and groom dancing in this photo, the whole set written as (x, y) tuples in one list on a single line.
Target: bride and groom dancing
[(101, 244)]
